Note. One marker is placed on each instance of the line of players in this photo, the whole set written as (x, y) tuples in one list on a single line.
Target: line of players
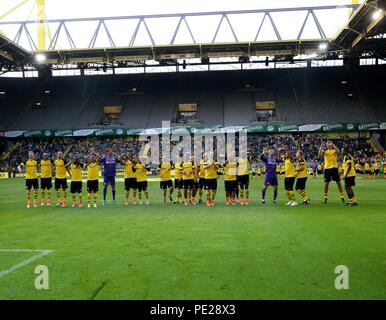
[(190, 178)]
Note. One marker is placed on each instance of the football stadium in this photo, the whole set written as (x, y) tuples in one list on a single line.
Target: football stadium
[(192, 150)]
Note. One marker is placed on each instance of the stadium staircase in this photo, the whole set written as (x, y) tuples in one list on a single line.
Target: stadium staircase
[(7, 153), (68, 149), (374, 142)]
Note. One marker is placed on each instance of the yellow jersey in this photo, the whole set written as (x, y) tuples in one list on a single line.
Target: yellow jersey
[(346, 160), (46, 168), (187, 171), (60, 169), (320, 167), (367, 167), (76, 172), (92, 170), (289, 168), (242, 165), (140, 172), (302, 173), (330, 159), (376, 166), (202, 169), (196, 172), (211, 171), (164, 170), (31, 171), (230, 171), (128, 170), (178, 171)]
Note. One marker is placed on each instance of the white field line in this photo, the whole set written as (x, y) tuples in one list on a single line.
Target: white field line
[(24, 262)]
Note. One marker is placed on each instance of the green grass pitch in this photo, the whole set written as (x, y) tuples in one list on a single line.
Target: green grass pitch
[(167, 251)]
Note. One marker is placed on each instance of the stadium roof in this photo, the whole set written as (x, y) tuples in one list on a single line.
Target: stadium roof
[(360, 26)]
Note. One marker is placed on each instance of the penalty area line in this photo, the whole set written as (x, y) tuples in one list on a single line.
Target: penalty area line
[(42, 253)]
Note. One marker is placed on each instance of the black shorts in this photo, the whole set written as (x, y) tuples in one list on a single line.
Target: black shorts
[(195, 185), (301, 183), (289, 183), (31, 183), (141, 185), (166, 184), (376, 171), (92, 186), (178, 184), (230, 186), (46, 183), (130, 183), (319, 171), (61, 183), (331, 174), (243, 180), (201, 183), (359, 171), (368, 172), (349, 181), (76, 187), (188, 184), (210, 184)]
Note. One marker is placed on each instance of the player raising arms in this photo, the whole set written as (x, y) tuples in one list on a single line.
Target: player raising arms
[(330, 153), (31, 178), (92, 165), (129, 176), (349, 177), (61, 169), (141, 170), (230, 180), (109, 162), (243, 178), (270, 162), (164, 169), (210, 180), (301, 177), (76, 182), (289, 179), (46, 179)]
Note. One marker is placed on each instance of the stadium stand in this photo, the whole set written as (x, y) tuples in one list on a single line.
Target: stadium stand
[(304, 95)]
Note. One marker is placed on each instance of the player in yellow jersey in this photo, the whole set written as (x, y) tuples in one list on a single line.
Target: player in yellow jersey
[(92, 165), (76, 182), (130, 179), (301, 177), (367, 169), (289, 179), (230, 180), (188, 181), (243, 178), (319, 169), (196, 172), (164, 169), (61, 169), (46, 178), (349, 177), (210, 180), (358, 168), (141, 170), (178, 185), (31, 178), (376, 169), (201, 179), (258, 171), (330, 153)]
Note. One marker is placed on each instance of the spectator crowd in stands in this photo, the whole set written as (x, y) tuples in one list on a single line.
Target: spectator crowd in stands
[(79, 147)]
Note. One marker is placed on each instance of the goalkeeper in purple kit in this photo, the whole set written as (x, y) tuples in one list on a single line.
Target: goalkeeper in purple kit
[(109, 162), (270, 173)]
